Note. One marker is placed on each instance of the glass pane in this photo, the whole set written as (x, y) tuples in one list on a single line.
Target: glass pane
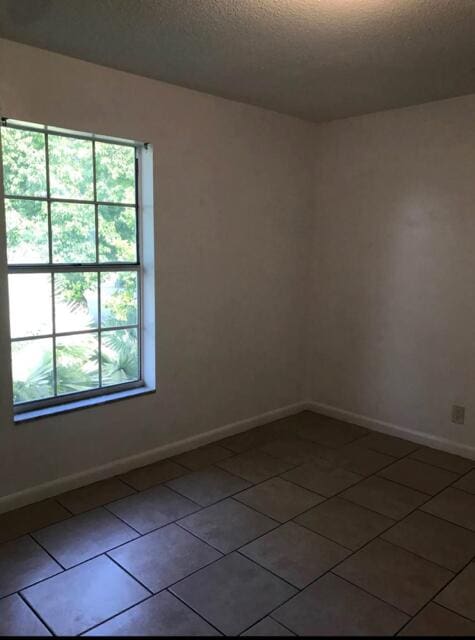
[(30, 304), (75, 298), (70, 168), (118, 298), (24, 162), (32, 368), (115, 173), (27, 231), (119, 356), (74, 232), (117, 234), (77, 363)]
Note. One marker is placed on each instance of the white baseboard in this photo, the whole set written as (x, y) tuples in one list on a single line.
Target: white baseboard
[(67, 483), (419, 437)]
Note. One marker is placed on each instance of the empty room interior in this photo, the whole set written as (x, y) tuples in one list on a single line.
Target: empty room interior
[(237, 319)]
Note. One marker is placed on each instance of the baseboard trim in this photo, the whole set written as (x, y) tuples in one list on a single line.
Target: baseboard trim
[(67, 483), (419, 437)]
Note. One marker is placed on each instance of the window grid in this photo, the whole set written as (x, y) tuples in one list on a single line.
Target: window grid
[(53, 269)]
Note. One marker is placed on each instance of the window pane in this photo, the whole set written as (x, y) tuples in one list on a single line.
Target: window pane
[(32, 367), (70, 168), (74, 232), (27, 231), (77, 363), (30, 304), (75, 296), (24, 162), (118, 298), (117, 234), (119, 356), (115, 173)]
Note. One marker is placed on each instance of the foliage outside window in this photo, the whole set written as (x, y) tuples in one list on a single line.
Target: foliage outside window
[(71, 217)]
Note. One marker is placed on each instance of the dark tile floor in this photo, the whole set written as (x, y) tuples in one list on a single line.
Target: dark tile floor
[(304, 526)]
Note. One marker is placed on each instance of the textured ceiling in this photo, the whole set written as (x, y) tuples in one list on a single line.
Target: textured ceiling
[(317, 59)]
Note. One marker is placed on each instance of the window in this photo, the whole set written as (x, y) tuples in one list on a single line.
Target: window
[(74, 264)]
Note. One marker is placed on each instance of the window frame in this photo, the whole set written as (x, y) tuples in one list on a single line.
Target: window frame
[(52, 268)]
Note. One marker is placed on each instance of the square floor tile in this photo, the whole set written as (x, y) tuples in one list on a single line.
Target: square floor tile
[(418, 475), (344, 522), (163, 557), (208, 485), (333, 607), (17, 619), (202, 457), (14, 524), (459, 595), (296, 450), (152, 474), (436, 540), (444, 460), (395, 575), (84, 596), (152, 508), (386, 497), (330, 432), (233, 593), (453, 505), (228, 525), (396, 447), (268, 628), (246, 440), (295, 554), (323, 477), (438, 621), (23, 562), (161, 615), (94, 495), (83, 537), (279, 499), (467, 483), (254, 466), (361, 460)]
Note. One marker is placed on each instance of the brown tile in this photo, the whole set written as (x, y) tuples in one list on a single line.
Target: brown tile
[(398, 577), (254, 466), (396, 447), (246, 440), (163, 557), (233, 593), (344, 522), (418, 475), (84, 536), (152, 474), (84, 596), (323, 477), (467, 483), (333, 607), (459, 595), (434, 620), (162, 615), (296, 450), (152, 508), (23, 562), (14, 524), (228, 524), (279, 499), (17, 619), (386, 497), (453, 505), (330, 432), (268, 628), (361, 460), (202, 457), (434, 539), (444, 460), (94, 495), (295, 554), (208, 485)]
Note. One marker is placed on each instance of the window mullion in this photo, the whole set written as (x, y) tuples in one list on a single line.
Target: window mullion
[(50, 253), (96, 217)]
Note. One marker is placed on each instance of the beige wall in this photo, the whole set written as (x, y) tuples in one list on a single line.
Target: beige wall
[(391, 322), (233, 194)]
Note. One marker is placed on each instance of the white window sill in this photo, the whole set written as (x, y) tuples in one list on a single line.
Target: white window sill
[(46, 412)]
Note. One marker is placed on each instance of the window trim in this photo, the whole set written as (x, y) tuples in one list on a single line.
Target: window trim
[(101, 394)]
